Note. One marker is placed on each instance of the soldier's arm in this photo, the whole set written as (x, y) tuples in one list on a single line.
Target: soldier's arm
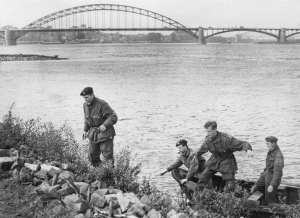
[(194, 165), (202, 150), (111, 116), (175, 165), (86, 126), (278, 166), (239, 145)]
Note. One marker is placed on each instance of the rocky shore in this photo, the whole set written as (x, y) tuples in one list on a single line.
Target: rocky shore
[(28, 57)]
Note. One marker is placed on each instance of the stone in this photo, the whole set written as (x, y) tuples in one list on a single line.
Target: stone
[(111, 197), (154, 214), (171, 213), (165, 199), (15, 174), (79, 179), (64, 185), (148, 208), (114, 191), (66, 191), (7, 162), (88, 214), (83, 190), (54, 188), (37, 181), (145, 216), (24, 175), (117, 211), (44, 187), (137, 210), (53, 171), (102, 192), (124, 202), (96, 184), (145, 200), (73, 202), (98, 200), (180, 215), (67, 175), (79, 184), (80, 215), (42, 174)]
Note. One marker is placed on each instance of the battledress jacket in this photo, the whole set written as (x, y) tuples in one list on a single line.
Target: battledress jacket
[(98, 113), (195, 165), (222, 147), (275, 164)]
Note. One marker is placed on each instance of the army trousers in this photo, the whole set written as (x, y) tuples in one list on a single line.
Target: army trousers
[(106, 148), (262, 185), (208, 174)]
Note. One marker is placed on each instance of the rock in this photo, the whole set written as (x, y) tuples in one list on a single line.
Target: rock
[(4, 153), (64, 185), (73, 202), (37, 181), (44, 187), (145, 200), (15, 174), (7, 162), (124, 202), (42, 174), (111, 197), (165, 199), (102, 192), (114, 191), (53, 171), (79, 179), (13, 152), (96, 184), (98, 200), (180, 215), (80, 184), (137, 210), (24, 175), (80, 215), (88, 214), (117, 211), (148, 208), (145, 216), (66, 191), (67, 175), (54, 188), (171, 213), (154, 214), (83, 190)]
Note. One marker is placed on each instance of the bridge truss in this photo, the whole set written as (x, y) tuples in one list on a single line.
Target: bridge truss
[(107, 16)]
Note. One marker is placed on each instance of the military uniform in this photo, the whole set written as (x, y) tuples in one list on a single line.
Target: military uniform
[(195, 165), (98, 113), (272, 174), (222, 160)]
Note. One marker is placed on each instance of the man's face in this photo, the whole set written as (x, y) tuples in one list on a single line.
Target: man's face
[(88, 98), (211, 132), (182, 148), (270, 145)]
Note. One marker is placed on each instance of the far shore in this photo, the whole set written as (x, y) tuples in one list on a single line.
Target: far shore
[(28, 57)]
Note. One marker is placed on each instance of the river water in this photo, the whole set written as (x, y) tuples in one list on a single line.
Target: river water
[(165, 92)]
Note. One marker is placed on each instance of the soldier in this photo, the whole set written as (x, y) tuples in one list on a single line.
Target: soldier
[(270, 179), (222, 160), (187, 157), (99, 119)]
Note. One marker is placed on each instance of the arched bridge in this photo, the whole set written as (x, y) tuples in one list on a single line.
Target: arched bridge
[(112, 17)]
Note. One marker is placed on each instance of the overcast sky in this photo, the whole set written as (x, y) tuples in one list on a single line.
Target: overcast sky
[(191, 13)]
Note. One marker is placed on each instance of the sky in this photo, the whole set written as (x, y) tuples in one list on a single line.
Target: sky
[(191, 13)]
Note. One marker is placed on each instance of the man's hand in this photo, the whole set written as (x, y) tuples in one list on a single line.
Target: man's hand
[(253, 188), (102, 128), (84, 135), (249, 154), (163, 173), (270, 188), (183, 181)]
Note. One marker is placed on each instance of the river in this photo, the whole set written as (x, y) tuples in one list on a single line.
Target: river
[(165, 92)]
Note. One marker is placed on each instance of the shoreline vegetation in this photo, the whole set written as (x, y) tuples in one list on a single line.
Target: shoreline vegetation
[(28, 57), (71, 187)]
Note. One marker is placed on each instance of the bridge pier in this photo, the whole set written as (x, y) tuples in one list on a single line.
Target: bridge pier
[(10, 37), (282, 36), (201, 38)]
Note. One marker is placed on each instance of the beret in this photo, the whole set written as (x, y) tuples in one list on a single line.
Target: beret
[(181, 142), (271, 139), (87, 91)]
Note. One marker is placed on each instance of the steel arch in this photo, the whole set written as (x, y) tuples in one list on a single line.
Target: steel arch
[(110, 7), (236, 30), (292, 34)]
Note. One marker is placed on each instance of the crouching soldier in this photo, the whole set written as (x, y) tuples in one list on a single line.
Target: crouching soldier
[(187, 157), (271, 177)]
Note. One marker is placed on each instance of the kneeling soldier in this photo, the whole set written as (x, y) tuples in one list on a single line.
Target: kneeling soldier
[(271, 177)]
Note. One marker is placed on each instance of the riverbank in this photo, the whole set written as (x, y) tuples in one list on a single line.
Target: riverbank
[(28, 57)]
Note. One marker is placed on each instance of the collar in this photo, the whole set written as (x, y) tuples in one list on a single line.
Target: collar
[(89, 104), (274, 150), (217, 138)]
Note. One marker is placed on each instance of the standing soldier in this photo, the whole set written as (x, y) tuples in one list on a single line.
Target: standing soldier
[(99, 119), (270, 179), (222, 160)]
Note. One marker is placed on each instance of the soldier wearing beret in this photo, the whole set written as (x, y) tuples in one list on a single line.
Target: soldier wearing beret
[(99, 121), (187, 157), (222, 146), (270, 179)]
